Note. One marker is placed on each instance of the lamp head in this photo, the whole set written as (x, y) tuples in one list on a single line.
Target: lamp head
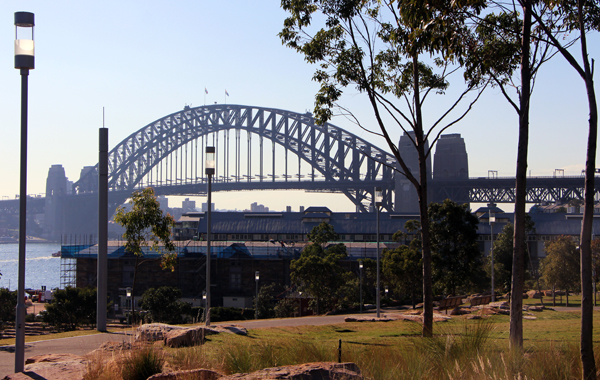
[(210, 160), (257, 275), (378, 197), (24, 45)]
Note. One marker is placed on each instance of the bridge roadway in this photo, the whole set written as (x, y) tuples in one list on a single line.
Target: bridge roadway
[(479, 190)]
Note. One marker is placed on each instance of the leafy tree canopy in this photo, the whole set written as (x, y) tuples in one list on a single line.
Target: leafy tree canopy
[(322, 234), (457, 261), (560, 267), (146, 226)]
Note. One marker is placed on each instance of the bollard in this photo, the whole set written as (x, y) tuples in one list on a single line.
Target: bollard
[(340, 351)]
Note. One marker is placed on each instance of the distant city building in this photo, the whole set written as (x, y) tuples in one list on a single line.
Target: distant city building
[(288, 208), (255, 207), (205, 207), (56, 188), (187, 205), (164, 202), (407, 199), (451, 160), (301, 209)]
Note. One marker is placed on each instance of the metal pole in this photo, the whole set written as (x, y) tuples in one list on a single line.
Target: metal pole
[(492, 254), (21, 308), (208, 230), (102, 279), (378, 293), (361, 300)]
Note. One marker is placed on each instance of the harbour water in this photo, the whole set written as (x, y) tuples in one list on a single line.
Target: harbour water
[(40, 267)]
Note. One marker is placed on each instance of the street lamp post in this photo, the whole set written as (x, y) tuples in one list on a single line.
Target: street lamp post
[(24, 61), (256, 278), (300, 304), (360, 269), (128, 293), (204, 301), (492, 218), (378, 202), (210, 171)]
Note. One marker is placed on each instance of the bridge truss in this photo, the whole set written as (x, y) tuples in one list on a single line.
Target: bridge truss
[(168, 153)]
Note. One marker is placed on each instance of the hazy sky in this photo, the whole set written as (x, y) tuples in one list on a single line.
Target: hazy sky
[(145, 60)]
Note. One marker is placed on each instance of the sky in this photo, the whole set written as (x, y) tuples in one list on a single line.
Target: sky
[(143, 60)]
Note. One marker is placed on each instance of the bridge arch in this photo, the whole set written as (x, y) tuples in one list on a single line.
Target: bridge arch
[(347, 163)]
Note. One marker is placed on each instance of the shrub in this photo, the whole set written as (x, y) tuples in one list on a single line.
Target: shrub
[(71, 307), (141, 364), (8, 304), (218, 314), (163, 305)]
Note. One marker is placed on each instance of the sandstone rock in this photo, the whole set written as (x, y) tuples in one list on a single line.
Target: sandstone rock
[(473, 316), (530, 317), (185, 337), (321, 371), (234, 329), (153, 332), (52, 358), (534, 294), (197, 374), (499, 304), (536, 308), (52, 367)]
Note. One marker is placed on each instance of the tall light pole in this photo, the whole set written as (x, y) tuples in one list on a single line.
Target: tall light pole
[(128, 294), (256, 278), (378, 202), (24, 61), (209, 166), (492, 218), (360, 269)]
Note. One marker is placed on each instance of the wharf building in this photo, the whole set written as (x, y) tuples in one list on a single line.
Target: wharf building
[(243, 243)]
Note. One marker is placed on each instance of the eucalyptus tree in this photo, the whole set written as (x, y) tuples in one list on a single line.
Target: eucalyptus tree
[(507, 49), (146, 226), (399, 54), (569, 24)]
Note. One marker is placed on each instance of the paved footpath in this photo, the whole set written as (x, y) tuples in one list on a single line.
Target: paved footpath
[(81, 345)]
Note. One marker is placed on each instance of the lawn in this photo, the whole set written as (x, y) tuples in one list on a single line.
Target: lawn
[(461, 349)]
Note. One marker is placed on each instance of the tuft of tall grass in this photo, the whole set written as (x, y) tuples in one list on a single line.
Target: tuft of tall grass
[(140, 364)]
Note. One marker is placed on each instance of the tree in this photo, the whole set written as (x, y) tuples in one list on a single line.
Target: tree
[(264, 303), (322, 234), (146, 226), (582, 17), (502, 43), (560, 267), (402, 268), (164, 305), (318, 271), (595, 264), (503, 254), (71, 307), (457, 261), (8, 304), (377, 47)]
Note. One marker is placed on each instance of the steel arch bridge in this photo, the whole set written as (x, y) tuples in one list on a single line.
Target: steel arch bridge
[(168, 154)]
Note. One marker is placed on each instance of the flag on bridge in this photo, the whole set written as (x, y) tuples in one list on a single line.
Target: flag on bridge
[(226, 93), (205, 90)]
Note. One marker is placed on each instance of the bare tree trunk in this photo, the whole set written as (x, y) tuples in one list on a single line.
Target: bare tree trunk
[(424, 218), (518, 275), (585, 249)]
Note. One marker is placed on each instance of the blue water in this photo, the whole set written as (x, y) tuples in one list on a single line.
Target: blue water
[(40, 267)]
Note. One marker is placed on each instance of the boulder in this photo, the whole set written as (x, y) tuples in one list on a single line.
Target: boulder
[(153, 332), (321, 371), (186, 337), (52, 366), (534, 294)]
